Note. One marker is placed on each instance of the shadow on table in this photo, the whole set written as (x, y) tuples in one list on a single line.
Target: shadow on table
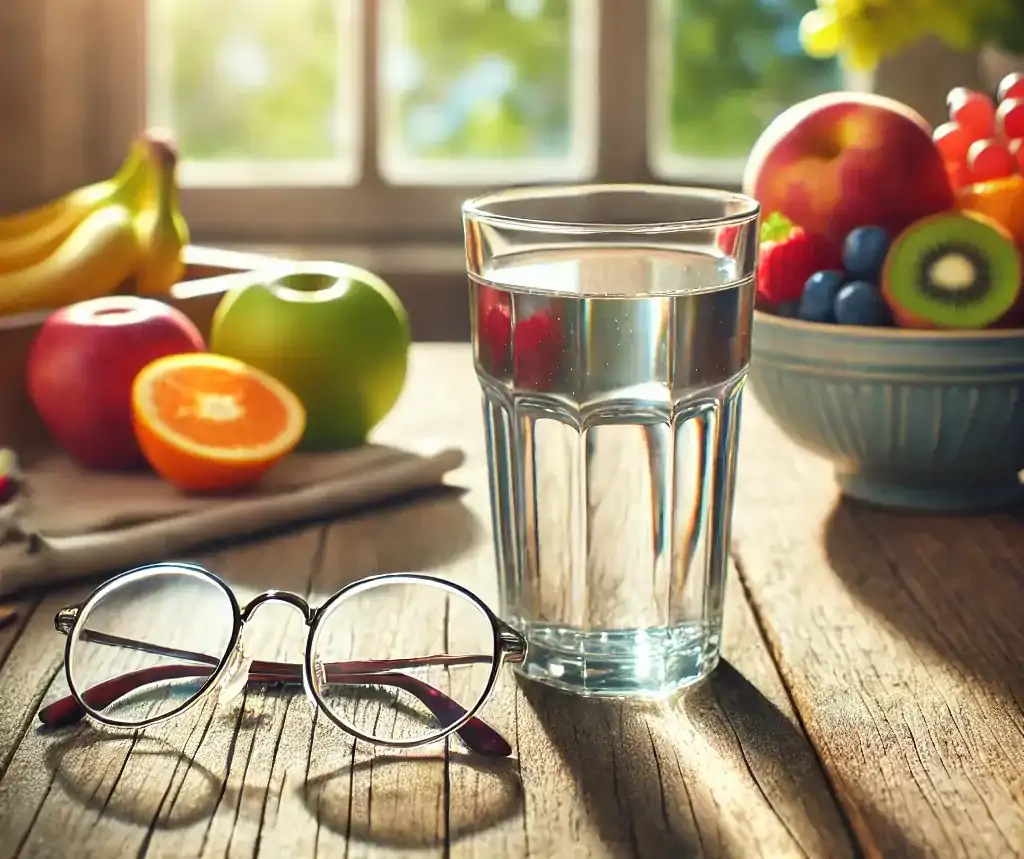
[(81, 761), (400, 784), (93, 769), (952, 584), (647, 804)]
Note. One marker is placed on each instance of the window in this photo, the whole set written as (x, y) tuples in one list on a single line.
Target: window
[(369, 121), (258, 93), (724, 70)]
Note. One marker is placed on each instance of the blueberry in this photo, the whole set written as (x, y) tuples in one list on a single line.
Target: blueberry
[(819, 296), (860, 303), (864, 252), (788, 309)]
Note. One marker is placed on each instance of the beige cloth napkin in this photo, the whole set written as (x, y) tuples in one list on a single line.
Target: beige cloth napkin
[(72, 523)]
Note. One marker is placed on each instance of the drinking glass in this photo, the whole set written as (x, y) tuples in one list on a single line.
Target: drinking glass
[(611, 339)]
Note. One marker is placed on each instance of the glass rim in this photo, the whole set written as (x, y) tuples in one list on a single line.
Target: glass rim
[(477, 210)]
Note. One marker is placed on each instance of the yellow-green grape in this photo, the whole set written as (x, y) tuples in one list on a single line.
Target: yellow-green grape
[(819, 33)]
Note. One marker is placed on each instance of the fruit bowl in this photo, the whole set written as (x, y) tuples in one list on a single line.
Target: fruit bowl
[(926, 420)]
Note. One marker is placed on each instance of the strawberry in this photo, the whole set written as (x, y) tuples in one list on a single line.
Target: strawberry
[(495, 330), (788, 256), (726, 239), (536, 350)]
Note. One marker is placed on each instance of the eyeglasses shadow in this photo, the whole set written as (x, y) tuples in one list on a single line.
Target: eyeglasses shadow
[(393, 780), (185, 807)]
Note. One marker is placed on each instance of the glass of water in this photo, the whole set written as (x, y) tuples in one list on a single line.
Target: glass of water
[(611, 337)]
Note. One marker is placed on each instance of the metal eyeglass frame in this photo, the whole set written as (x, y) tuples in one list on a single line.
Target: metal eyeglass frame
[(509, 646)]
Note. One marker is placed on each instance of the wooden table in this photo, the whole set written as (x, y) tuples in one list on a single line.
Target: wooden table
[(870, 701)]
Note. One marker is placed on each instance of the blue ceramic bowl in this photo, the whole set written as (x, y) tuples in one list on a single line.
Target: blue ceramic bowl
[(913, 419)]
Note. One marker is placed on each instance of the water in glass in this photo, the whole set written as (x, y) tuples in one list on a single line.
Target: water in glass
[(612, 381)]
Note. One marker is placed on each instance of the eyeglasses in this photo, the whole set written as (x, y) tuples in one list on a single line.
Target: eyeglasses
[(396, 660)]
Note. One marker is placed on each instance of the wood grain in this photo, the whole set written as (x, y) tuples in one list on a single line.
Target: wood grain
[(726, 771), (900, 638)]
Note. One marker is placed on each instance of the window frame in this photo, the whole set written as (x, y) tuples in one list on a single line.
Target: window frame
[(372, 211)]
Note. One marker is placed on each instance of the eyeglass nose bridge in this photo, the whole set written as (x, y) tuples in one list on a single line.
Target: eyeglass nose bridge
[(294, 600)]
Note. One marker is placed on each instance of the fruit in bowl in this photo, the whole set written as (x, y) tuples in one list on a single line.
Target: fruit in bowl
[(789, 255), (982, 141), (807, 280), (839, 161), (931, 418), (954, 270)]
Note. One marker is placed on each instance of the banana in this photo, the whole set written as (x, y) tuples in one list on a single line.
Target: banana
[(160, 228), (29, 236), (95, 259)]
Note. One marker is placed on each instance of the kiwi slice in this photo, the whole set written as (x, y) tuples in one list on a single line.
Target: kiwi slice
[(952, 270)]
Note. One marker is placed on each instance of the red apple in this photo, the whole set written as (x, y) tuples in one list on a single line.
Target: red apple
[(82, 364), (842, 160)]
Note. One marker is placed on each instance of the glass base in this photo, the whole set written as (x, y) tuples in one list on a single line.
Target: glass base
[(636, 663)]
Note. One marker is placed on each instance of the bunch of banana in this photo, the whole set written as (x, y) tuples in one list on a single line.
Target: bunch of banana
[(124, 234)]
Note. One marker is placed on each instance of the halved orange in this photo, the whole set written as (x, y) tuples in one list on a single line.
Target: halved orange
[(209, 423), (1000, 199)]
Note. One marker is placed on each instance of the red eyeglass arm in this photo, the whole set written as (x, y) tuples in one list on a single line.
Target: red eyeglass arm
[(475, 733)]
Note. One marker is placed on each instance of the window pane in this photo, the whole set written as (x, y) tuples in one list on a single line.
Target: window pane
[(724, 70), (478, 90), (257, 91)]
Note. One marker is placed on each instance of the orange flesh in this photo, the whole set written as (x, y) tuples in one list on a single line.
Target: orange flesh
[(217, 408)]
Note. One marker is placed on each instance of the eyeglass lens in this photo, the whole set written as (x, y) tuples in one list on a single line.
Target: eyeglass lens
[(156, 638), (393, 646)]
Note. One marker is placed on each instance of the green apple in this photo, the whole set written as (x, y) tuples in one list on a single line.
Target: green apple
[(336, 334)]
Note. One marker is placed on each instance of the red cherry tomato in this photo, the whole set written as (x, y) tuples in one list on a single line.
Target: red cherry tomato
[(953, 142), (988, 160), (1012, 86), (972, 111), (1010, 118), (1016, 148)]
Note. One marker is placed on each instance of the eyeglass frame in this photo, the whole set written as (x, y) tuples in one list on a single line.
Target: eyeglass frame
[(509, 646)]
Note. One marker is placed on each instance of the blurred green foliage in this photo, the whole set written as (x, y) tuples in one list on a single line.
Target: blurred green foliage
[(249, 79), (462, 78), (736, 64)]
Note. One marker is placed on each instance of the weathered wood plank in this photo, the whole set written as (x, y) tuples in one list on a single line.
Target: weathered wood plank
[(723, 772), (31, 666), (901, 641)]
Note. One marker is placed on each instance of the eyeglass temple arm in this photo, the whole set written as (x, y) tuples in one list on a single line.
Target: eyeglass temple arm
[(475, 733)]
